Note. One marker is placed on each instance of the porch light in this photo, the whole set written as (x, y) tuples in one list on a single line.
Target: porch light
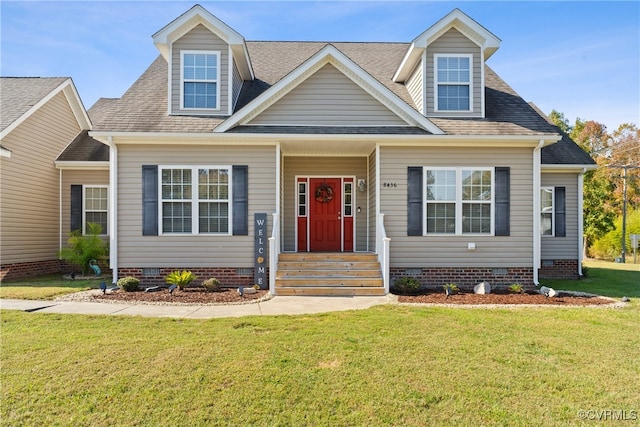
[(362, 185)]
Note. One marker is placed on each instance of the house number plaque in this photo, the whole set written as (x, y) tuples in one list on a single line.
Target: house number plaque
[(260, 251)]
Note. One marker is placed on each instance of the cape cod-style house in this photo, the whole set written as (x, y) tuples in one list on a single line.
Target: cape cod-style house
[(328, 168)]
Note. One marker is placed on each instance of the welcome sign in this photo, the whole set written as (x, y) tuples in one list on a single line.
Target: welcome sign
[(260, 251)]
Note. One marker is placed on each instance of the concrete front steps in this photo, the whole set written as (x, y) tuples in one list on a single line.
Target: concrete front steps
[(329, 274)]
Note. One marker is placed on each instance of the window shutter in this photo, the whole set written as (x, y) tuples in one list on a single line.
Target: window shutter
[(76, 207), (414, 201), (240, 200), (149, 200), (560, 212), (502, 203)]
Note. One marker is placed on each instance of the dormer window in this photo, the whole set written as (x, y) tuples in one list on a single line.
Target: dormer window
[(453, 82), (200, 77)]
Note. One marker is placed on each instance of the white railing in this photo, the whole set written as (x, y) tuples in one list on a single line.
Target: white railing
[(274, 253), (382, 249)]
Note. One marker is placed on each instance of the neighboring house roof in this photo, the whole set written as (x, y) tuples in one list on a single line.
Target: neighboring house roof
[(21, 96), (85, 149)]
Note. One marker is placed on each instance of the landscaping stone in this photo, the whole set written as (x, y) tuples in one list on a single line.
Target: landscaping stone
[(482, 288)]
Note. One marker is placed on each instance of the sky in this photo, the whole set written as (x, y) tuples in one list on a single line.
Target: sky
[(581, 58)]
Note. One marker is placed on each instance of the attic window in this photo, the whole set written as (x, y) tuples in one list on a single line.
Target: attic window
[(200, 76), (453, 82)]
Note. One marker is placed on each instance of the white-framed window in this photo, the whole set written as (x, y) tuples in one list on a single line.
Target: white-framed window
[(458, 200), (348, 198), (200, 77), (453, 82), (195, 200), (95, 207), (302, 198), (546, 211)]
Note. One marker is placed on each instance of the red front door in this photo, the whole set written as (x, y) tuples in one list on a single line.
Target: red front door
[(325, 214)]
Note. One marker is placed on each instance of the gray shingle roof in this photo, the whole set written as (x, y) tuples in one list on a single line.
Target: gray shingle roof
[(19, 94), (143, 108), (85, 149)]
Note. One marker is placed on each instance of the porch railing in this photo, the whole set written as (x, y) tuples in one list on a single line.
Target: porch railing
[(382, 249), (274, 253)]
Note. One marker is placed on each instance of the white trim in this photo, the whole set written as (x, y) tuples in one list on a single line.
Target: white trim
[(217, 81), (553, 211), (4, 152), (580, 219), (113, 208), (437, 83), (81, 165), (84, 207), (229, 81), (60, 211), (329, 55), (170, 80), (377, 194), (537, 241), (567, 168), (195, 200), (482, 85), (73, 99)]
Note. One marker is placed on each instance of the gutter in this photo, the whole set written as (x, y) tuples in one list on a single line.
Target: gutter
[(113, 208), (537, 167)]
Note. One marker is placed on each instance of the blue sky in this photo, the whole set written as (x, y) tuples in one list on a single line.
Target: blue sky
[(580, 58)]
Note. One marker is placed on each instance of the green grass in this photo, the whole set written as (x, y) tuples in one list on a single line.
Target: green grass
[(604, 278), (389, 365), (47, 287)]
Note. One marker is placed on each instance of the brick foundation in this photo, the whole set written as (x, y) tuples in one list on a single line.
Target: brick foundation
[(228, 277), (559, 269), (465, 278), (25, 270)]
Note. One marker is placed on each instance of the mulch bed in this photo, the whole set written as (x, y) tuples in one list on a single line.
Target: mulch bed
[(502, 298), (186, 296)]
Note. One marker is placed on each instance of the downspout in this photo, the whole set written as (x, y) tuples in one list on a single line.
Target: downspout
[(113, 210), (536, 211), (580, 219), (60, 211)]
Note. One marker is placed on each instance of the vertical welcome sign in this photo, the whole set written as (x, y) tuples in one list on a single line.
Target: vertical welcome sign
[(260, 251)]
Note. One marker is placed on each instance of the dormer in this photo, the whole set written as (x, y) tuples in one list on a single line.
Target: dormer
[(444, 67), (207, 62)]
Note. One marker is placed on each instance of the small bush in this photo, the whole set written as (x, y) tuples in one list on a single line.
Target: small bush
[(516, 288), (128, 284), (180, 278), (211, 285), (406, 285), (451, 288)]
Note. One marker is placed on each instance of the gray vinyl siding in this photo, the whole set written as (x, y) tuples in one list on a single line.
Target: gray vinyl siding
[(415, 86), (29, 183), (200, 38), (236, 85), (454, 42), (563, 247), (77, 177), (136, 250), (515, 250), (318, 167), (328, 98)]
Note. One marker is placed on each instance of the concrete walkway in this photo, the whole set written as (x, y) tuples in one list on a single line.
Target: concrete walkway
[(275, 306)]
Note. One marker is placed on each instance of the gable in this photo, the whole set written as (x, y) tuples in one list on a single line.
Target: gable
[(328, 98)]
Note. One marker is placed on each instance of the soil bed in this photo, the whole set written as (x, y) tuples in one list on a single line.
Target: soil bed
[(186, 296), (503, 298)]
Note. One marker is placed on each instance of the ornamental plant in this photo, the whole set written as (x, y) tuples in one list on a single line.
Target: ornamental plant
[(211, 285), (406, 285), (128, 284), (516, 288), (450, 289), (82, 249), (180, 278)]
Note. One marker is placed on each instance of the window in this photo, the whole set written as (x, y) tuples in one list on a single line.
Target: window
[(546, 211), (200, 76), (95, 208), (302, 198), (348, 198), (203, 190), (458, 201), (453, 82)]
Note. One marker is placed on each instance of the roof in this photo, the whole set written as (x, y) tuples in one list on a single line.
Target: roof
[(19, 94), (85, 149)]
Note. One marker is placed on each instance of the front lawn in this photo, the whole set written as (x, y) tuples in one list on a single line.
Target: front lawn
[(47, 287), (389, 365)]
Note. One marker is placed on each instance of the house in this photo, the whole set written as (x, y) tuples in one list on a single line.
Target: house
[(40, 118), (305, 165)]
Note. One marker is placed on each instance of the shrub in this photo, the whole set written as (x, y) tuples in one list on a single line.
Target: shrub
[(451, 288), (84, 248), (516, 288), (128, 284), (211, 285), (180, 278), (406, 285)]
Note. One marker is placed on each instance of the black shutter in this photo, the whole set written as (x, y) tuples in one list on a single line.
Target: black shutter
[(502, 204), (76, 207), (240, 200), (560, 212), (414, 201), (149, 200)]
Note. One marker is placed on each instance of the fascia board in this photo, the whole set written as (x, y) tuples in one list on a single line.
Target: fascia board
[(328, 54), (567, 168), (86, 165), (71, 94)]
